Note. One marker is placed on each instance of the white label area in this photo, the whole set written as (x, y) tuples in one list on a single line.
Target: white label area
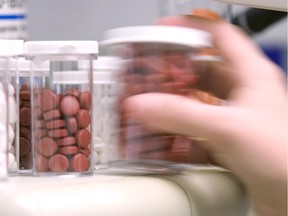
[(13, 19)]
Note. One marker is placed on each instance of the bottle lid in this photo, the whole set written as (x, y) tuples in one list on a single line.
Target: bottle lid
[(11, 47), (60, 47), (177, 35)]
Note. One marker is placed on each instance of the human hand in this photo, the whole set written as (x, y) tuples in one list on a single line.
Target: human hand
[(248, 136)]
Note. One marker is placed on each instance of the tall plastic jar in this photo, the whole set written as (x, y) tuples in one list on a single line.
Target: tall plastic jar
[(154, 59), (20, 75), (61, 107), (13, 19), (10, 51)]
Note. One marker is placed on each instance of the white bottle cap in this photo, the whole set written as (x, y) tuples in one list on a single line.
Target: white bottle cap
[(177, 35), (11, 47)]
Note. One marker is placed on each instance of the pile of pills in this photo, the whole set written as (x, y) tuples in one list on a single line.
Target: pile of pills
[(3, 134), (61, 130)]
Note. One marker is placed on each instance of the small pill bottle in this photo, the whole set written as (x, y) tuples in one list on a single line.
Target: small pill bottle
[(209, 9), (20, 74), (154, 59), (61, 107), (11, 51)]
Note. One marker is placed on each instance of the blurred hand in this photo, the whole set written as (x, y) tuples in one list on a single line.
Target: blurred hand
[(249, 135)]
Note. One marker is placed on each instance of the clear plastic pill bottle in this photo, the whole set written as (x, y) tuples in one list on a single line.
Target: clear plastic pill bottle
[(154, 59), (62, 108), (11, 51)]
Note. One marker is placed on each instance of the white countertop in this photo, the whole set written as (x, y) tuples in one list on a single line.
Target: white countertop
[(195, 192)]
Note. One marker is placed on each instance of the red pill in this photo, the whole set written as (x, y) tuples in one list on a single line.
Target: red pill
[(71, 124), (37, 113), (58, 133), (72, 91), (25, 146), (83, 118), (47, 146), (54, 124), (69, 150), (58, 163), (39, 133), (69, 105), (25, 116), (41, 163), (83, 138), (85, 100), (86, 151), (67, 141), (52, 114), (80, 163), (48, 100), (39, 124), (25, 95)]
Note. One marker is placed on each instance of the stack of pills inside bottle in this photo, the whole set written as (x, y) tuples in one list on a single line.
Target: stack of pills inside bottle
[(61, 107)]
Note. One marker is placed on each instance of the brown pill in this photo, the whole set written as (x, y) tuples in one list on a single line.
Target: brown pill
[(69, 105), (25, 132), (67, 141), (39, 133), (52, 114), (80, 163), (69, 150), (72, 91), (83, 118), (25, 116), (26, 104), (48, 100), (85, 151), (25, 95), (85, 100), (24, 87), (47, 146), (20, 102), (25, 146), (71, 124), (41, 163), (26, 161), (83, 138), (58, 133), (54, 124), (58, 163)]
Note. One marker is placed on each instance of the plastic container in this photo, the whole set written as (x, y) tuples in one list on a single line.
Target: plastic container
[(10, 51), (106, 90), (210, 9), (61, 107), (154, 59)]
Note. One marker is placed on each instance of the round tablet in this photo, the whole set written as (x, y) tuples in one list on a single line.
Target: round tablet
[(54, 124), (25, 116), (85, 100), (85, 151), (39, 124), (71, 124), (72, 91), (67, 141), (52, 114), (69, 150), (58, 133), (83, 138), (47, 146), (39, 133), (48, 100), (83, 118), (24, 87), (25, 132), (80, 163), (69, 105), (58, 163), (25, 95), (41, 163), (24, 145)]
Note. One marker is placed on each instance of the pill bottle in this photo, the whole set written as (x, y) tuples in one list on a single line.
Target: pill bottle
[(209, 9), (61, 106), (11, 51), (13, 19), (20, 80), (154, 59)]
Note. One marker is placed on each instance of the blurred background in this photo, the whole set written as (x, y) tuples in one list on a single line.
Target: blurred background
[(88, 19)]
